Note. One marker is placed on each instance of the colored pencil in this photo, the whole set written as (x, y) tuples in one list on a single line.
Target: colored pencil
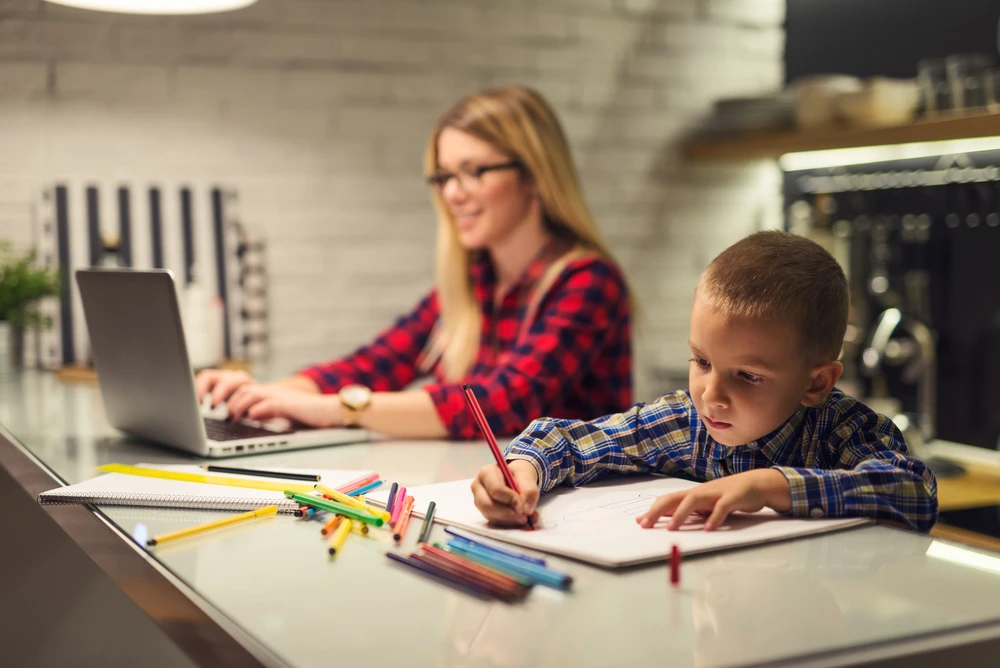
[(425, 530), (394, 511), (215, 524), (484, 426), (399, 529), (392, 496), (338, 508), (464, 535), (366, 488), (308, 477), (348, 487), (339, 536), (441, 575)]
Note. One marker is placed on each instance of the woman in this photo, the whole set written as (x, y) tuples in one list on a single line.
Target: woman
[(529, 308)]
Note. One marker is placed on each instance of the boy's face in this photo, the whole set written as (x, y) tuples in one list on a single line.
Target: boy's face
[(747, 376)]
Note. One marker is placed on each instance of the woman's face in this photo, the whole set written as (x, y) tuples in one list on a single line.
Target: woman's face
[(487, 206)]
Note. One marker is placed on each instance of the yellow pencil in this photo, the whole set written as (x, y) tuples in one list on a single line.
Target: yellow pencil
[(208, 526), (210, 479), (340, 535), (340, 497)]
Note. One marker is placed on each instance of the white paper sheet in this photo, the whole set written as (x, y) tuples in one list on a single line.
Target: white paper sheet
[(596, 523)]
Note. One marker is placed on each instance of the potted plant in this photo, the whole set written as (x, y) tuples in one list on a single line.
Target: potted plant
[(22, 284)]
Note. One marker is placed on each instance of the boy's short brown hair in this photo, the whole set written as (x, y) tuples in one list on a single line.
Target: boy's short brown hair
[(782, 277)]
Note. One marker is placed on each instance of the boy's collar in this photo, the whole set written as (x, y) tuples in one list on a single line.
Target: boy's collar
[(784, 436)]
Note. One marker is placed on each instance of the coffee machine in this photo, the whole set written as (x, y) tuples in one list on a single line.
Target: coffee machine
[(920, 242)]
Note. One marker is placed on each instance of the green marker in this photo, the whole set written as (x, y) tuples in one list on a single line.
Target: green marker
[(336, 508)]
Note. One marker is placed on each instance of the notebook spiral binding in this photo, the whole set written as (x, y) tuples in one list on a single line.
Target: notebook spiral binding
[(285, 506)]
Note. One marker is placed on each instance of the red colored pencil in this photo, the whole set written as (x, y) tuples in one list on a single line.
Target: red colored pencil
[(477, 413)]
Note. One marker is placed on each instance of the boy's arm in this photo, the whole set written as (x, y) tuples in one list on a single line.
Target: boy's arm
[(873, 478), (646, 438)]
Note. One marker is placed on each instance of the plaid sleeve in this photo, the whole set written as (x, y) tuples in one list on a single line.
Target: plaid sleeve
[(647, 438), (873, 478), (583, 309), (390, 362)]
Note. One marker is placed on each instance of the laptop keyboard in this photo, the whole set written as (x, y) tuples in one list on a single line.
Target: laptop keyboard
[(223, 430)]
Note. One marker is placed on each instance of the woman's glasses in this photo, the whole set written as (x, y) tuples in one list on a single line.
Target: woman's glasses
[(470, 178)]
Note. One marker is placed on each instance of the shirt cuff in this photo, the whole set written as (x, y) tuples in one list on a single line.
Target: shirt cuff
[(537, 459), (814, 494)]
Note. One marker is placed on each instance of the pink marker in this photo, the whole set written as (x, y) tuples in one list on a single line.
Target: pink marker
[(349, 487), (398, 506)]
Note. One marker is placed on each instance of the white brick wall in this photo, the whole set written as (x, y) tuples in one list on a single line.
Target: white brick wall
[(318, 111)]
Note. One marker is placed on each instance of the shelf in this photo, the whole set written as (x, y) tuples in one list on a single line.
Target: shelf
[(775, 144)]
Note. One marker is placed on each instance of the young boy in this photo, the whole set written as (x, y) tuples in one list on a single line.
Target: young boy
[(762, 424)]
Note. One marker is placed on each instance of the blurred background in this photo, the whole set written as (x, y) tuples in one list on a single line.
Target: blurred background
[(271, 155)]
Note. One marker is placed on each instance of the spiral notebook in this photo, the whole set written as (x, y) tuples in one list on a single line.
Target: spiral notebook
[(117, 489)]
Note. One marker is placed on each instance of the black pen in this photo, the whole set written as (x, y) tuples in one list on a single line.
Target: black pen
[(310, 477)]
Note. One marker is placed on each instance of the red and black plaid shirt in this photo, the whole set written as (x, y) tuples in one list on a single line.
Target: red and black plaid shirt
[(575, 361)]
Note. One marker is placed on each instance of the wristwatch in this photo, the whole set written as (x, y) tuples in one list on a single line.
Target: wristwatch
[(354, 399)]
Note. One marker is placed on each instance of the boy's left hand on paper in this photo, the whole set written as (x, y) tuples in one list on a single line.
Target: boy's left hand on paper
[(272, 400), (747, 492)]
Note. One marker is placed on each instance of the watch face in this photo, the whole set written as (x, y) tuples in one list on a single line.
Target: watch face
[(355, 395)]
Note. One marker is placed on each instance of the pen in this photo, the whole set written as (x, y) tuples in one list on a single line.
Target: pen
[(365, 488), (516, 585), (310, 477), (339, 536), (348, 487), (338, 508), (351, 501), (394, 511), (675, 565), (399, 529), (331, 525), (540, 574), (477, 413), (441, 575), (493, 548), (392, 497), (425, 530), (208, 526)]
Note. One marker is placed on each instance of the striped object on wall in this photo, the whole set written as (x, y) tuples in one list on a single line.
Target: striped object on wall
[(194, 231)]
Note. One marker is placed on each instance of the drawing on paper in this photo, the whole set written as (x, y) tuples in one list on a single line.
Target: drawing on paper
[(614, 507)]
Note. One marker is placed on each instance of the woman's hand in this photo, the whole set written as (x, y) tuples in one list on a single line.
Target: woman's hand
[(219, 384), (266, 401)]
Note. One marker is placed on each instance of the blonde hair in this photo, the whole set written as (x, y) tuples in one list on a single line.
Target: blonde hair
[(519, 122), (781, 277)]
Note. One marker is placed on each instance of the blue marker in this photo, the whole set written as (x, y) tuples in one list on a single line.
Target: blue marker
[(494, 548), (539, 574), (367, 488)]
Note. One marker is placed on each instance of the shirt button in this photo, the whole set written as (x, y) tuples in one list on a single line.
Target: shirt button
[(816, 512)]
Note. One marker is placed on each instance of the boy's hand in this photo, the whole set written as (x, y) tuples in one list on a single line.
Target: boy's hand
[(499, 503), (748, 492)]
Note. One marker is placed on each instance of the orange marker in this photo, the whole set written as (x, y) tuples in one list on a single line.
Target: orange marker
[(404, 519), (330, 526)]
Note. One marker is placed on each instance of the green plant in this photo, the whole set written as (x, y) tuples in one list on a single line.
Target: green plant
[(22, 284)]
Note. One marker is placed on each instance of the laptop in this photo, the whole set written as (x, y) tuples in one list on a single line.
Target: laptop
[(137, 340)]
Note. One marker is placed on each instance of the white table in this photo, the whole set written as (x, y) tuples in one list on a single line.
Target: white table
[(873, 593)]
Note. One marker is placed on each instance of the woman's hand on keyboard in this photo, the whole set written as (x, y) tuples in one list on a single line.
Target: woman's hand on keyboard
[(265, 401), (219, 384)]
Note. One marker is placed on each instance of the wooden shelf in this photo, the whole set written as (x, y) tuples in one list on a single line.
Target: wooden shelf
[(774, 144)]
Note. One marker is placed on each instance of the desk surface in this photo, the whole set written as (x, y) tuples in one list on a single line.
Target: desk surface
[(861, 593)]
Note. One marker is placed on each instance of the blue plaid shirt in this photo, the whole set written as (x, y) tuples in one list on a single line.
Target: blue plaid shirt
[(841, 458)]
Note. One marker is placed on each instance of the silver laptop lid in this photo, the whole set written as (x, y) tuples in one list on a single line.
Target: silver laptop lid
[(137, 338)]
